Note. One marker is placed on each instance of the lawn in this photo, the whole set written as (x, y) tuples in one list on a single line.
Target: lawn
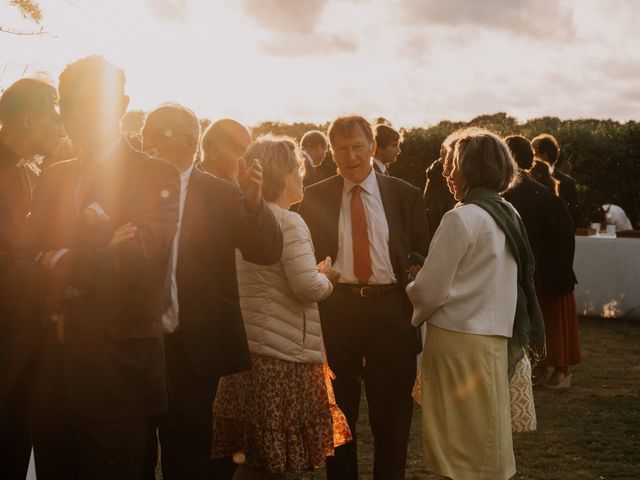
[(589, 431)]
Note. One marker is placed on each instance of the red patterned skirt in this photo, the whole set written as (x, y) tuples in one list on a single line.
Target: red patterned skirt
[(561, 329), (280, 416)]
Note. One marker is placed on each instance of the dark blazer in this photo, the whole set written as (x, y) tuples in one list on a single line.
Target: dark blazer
[(534, 203), (408, 232), (113, 356), (438, 200), (215, 222), (567, 191), (560, 277), (20, 280)]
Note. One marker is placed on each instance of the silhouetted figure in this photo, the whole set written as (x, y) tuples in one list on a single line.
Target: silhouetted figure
[(30, 126), (546, 148), (103, 224), (203, 330)]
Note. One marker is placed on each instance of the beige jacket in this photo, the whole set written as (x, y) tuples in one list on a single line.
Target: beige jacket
[(279, 302)]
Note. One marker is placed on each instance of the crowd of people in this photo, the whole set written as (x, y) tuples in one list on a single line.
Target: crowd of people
[(211, 303)]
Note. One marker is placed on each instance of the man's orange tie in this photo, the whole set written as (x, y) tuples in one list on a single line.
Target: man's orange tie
[(361, 254)]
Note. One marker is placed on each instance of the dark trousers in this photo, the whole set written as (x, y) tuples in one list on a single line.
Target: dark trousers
[(185, 433), (371, 339), (33, 414), (15, 437), (66, 449), (53, 443)]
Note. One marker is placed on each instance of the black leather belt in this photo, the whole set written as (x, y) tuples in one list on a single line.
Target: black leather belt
[(369, 291)]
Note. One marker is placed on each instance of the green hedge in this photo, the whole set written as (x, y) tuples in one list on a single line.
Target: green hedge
[(602, 155)]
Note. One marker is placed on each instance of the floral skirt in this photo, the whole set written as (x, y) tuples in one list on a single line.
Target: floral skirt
[(280, 416)]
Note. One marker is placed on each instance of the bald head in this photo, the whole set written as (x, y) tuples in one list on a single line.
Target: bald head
[(171, 132), (223, 145)]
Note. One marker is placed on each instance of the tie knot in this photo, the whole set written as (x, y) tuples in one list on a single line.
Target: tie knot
[(356, 189)]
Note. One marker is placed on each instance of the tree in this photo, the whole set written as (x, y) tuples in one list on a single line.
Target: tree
[(30, 10)]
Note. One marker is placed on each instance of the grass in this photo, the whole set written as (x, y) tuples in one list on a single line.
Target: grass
[(589, 431)]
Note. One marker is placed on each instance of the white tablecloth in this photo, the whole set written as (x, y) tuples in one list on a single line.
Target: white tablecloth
[(608, 272)]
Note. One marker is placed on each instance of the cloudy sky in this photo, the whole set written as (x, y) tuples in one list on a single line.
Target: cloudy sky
[(412, 61)]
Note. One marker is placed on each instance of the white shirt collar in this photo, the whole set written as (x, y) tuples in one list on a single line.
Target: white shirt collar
[(369, 184), (382, 166)]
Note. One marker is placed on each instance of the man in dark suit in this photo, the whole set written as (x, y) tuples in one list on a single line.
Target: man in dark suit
[(368, 224), (103, 224), (534, 203), (388, 141), (30, 126), (314, 148), (223, 145), (204, 331), (546, 148)]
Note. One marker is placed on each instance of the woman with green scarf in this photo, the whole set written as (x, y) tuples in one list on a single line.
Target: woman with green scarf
[(476, 293)]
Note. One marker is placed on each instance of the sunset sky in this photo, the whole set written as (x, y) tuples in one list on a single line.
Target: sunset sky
[(412, 61)]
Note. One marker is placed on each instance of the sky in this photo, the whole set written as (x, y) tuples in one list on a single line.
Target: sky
[(414, 62)]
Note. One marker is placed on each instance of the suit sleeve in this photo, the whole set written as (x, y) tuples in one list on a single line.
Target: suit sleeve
[(155, 213), (420, 235), (258, 235)]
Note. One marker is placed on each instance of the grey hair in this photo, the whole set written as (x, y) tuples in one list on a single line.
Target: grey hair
[(279, 156), (484, 160)]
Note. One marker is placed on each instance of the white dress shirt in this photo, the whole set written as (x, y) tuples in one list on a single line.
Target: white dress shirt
[(381, 166), (469, 280), (170, 319), (377, 229)]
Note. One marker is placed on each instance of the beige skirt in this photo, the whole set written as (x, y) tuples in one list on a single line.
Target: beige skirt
[(466, 422)]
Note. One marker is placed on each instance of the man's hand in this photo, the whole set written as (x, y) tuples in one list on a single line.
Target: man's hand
[(250, 181), (413, 272), (123, 233)]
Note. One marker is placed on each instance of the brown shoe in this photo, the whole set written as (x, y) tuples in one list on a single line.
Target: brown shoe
[(559, 379)]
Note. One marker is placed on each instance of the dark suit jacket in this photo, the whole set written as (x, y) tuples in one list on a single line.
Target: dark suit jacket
[(438, 200), (20, 281), (113, 356), (215, 222), (402, 203), (534, 203), (567, 191), (560, 277)]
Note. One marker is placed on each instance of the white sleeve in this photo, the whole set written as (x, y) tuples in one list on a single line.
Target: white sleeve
[(431, 287), (299, 262)]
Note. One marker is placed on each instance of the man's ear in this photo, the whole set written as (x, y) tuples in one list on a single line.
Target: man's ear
[(374, 146)]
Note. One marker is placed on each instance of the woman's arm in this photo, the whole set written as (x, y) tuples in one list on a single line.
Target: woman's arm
[(299, 262), (431, 287)]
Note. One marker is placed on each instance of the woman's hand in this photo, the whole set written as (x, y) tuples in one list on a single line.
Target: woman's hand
[(325, 267)]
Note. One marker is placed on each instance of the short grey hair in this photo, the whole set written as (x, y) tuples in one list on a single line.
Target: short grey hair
[(484, 160), (279, 156)]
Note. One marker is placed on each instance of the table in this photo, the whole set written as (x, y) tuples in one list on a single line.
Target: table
[(608, 272)]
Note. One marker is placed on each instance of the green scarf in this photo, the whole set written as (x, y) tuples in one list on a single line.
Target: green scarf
[(528, 325)]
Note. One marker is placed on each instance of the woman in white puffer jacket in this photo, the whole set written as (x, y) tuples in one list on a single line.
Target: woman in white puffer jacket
[(278, 415)]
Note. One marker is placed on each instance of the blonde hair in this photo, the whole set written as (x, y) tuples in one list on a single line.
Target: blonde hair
[(279, 156), (484, 160)]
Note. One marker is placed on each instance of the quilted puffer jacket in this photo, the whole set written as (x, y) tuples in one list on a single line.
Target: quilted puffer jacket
[(278, 302)]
